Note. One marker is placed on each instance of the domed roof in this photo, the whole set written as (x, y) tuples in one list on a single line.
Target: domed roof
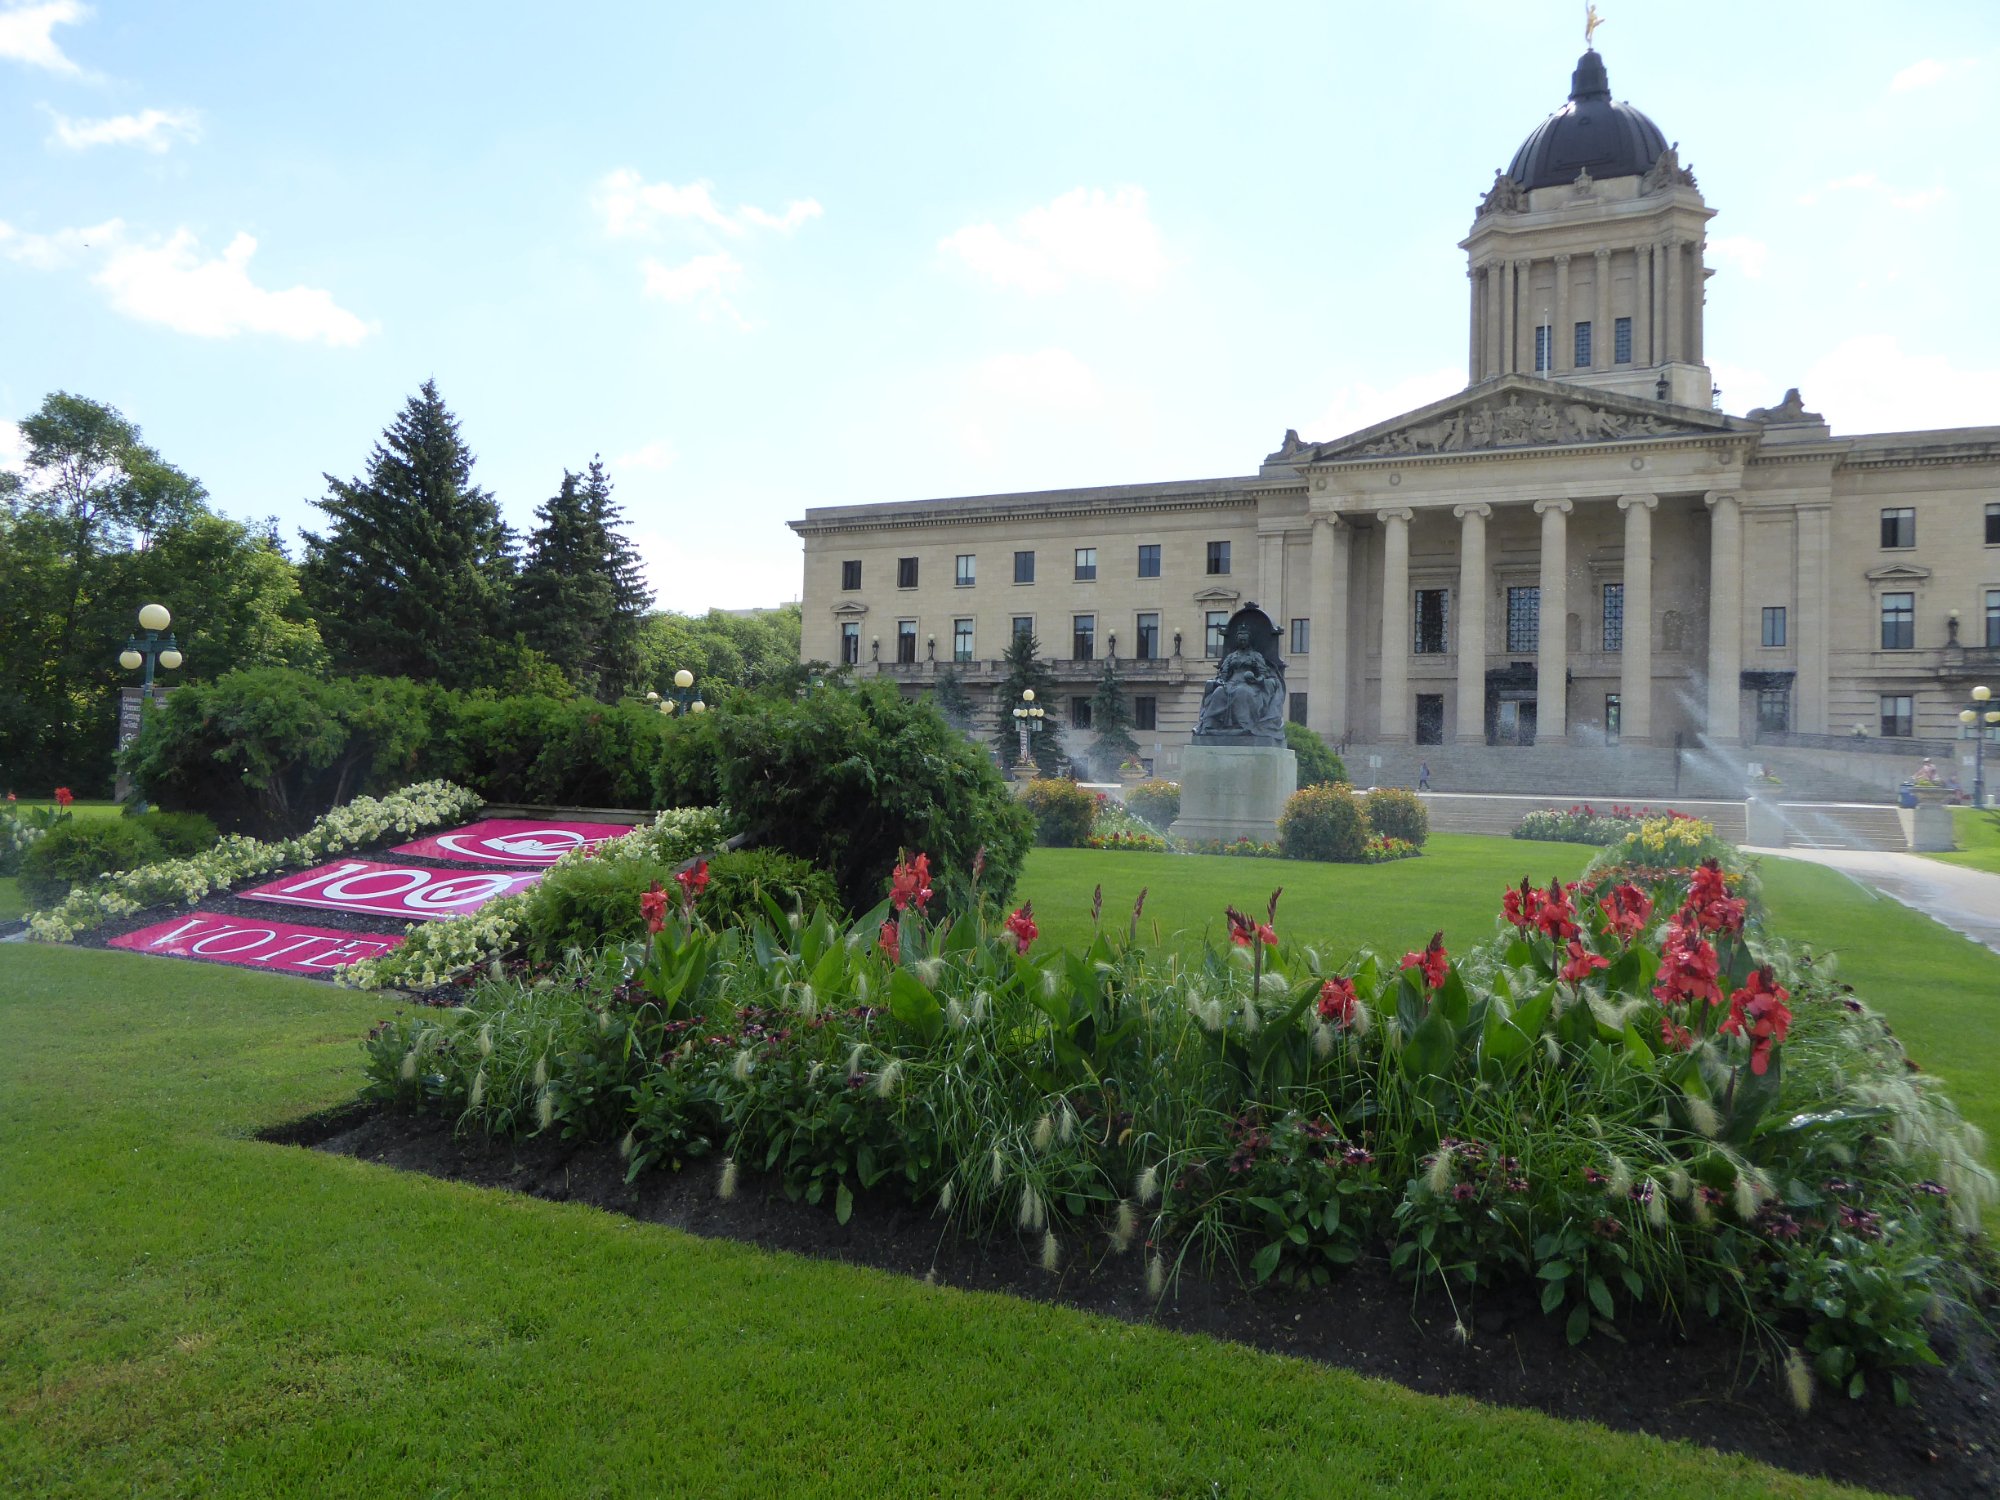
[(1591, 133)]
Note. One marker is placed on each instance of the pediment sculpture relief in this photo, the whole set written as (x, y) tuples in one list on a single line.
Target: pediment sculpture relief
[(1506, 196), (1514, 423), (1667, 172)]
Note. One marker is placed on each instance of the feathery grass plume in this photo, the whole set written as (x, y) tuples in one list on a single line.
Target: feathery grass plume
[(541, 1070), (1051, 1252), (1045, 1133), (1251, 1015), (808, 1001), (981, 1004), (1798, 1380), (1065, 1122), (954, 1014), (1031, 1214), (1656, 1206), (477, 1094), (999, 1171), (1460, 1332), (1127, 1227), (888, 1078), (409, 1068), (545, 1109), (603, 1022), (1148, 1185), (1702, 1115), (944, 1197), (1743, 1196), (813, 1072), (486, 1040), (929, 970), (1620, 1181), (496, 970), (627, 1146), (1322, 1039), (1679, 1183), (1051, 983), (854, 1056), (861, 989), (1156, 1275), (1361, 1022), (1553, 1048), (726, 1188), (741, 1065), (1437, 1176)]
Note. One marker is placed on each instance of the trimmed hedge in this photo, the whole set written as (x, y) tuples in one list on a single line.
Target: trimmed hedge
[(1064, 812), (1325, 822), (1398, 813), (593, 903), (1155, 802)]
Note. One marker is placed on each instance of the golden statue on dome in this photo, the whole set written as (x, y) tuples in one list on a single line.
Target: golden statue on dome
[(1591, 21)]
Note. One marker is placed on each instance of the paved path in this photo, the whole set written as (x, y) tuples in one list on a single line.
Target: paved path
[(1966, 901)]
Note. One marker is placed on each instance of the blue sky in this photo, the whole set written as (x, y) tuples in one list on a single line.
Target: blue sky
[(763, 257)]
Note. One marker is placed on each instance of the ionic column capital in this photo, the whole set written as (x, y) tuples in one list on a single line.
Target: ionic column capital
[(1330, 519), (1397, 513), (1601, 254), (1481, 510), (1638, 502), (1562, 260), (1715, 500), (1559, 507)]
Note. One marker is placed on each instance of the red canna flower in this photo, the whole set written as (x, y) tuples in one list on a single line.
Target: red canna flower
[(1688, 967), (1709, 901), (1337, 1001), (1520, 906), (1022, 925), (653, 907), (1433, 962), (1242, 931), (1581, 962), (693, 882), (64, 797), (910, 885), (1674, 1036), (1626, 909), (890, 940), (1555, 915), (1758, 1012)]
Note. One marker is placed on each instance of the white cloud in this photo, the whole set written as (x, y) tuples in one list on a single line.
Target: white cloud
[(706, 280), (632, 206), (1871, 383), (1363, 403), (25, 33), (149, 130), (1868, 182), (1744, 252), (649, 457), (1086, 235), (1929, 72), (168, 282), (693, 573)]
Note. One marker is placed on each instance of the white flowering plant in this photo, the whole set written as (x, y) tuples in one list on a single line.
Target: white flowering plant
[(359, 824)]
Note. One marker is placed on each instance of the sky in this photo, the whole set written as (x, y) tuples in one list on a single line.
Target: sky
[(762, 257)]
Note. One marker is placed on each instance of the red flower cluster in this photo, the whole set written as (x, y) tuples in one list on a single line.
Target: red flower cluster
[(64, 796), (1337, 1001), (1581, 962), (693, 882), (1244, 931), (1758, 1013), (1555, 915), (1710, 907), (890, 940), (1022, 925), (653, 907), (1688, 966), (1626, 910), (910, 885), (1433, 963)]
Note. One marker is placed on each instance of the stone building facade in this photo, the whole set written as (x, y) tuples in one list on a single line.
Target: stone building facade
[(1577, 552)]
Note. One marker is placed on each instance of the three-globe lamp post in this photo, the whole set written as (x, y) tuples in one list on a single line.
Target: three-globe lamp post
[(1028, 720), (682, 699), (149, 650), (1979, 721)]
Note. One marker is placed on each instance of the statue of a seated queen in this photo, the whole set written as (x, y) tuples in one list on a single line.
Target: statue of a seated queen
[(1244, 703)]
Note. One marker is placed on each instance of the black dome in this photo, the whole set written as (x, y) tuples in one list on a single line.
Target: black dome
[(1591, 133)]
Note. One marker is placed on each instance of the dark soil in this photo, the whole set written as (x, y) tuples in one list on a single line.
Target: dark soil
[(1695, 1385)]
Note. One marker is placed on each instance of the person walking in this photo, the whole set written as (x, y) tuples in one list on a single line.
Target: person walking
[(1423, 776)]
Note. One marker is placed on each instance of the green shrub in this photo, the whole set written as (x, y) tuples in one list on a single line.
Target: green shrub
[(734, 880), (1156, 802), (1324, 822), (1396, 813), (1318, 765), (847, 777), (1063, 812), (590, 904), (180, 834), (78, 850)]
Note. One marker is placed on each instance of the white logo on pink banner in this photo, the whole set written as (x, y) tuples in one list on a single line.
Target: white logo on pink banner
[(257, 944), (514, 841), (394, 890)]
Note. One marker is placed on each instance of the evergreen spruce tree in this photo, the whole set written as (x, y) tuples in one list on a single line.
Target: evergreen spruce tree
[(953, 703), (1026, 670), (581, 596), (1113, 722), (414, 575)]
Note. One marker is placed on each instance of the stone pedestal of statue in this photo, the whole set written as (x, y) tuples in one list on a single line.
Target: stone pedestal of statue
[(1231, 792)]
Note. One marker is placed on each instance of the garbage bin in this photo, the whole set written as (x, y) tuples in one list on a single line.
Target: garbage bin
[(1906, 794)]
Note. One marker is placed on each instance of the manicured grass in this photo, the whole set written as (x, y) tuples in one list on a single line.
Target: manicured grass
[(1939, 990), (11, 901), (1977, 831), (184, 1310), (1455, 885)]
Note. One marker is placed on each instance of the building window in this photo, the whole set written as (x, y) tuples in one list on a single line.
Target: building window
[(1993, 525), (1024, 627), (1621, 341), (1614, 617), (1302, 636), (1524, 617), (1297, 713), (1545, 341), (1145, 712), (1083, 637), (1993, 619), (1583, 346), (1433, 606), (850, 643), (1149, 559), (1149, 637), (1086, 564), (1898, 716), (1614, 718), (1024, 567), (968, 570), (961, 640), (1774, 710), (906, 572), (1218, 624), (850, 574), (1430, 718), (906, 640), (1899, 526), (1774, 624), (1899, 622), (1079, 712), (1218, 559)]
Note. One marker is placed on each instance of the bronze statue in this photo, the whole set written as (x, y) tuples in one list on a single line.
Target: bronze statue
[(1244, 703)]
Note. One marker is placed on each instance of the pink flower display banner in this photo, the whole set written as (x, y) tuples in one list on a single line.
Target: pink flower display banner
[(405, 891), (257, 944), (514, 841)]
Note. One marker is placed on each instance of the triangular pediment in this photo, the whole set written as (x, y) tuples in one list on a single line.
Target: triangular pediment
[(849, 609), (1514, 412), (1898, 573), (1217, 594)]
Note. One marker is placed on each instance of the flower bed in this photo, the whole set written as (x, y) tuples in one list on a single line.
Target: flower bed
[(1582, 823), (1631, 1099), (181, 882), (1379, 850)]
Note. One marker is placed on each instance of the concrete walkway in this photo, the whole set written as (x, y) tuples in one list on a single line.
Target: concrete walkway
[(1966, 901)]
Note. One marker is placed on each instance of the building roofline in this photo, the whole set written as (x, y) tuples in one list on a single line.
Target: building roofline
[(1165, 494)]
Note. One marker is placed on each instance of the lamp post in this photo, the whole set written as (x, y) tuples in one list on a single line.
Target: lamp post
[(146, 652), (1979, 722), (682, 699), (1028, 718)]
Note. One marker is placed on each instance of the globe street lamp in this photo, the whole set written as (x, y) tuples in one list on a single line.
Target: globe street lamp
[(682, 698), (1979, 722), (1028, 720), (145, 653)]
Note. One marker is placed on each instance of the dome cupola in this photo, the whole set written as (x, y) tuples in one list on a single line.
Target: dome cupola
[(1592, 133)]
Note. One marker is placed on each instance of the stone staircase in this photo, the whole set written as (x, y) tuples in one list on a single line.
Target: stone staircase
[(1500, 813), (1844, 825)]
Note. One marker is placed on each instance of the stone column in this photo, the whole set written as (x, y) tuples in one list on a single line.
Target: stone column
[(1524, 316), (1808, 630), (1725, 616), (1635, 661), (1603, 336), (1395, 626), (1562, 339), (1656, 320), (1552, 661), (1271, 577), (1472, 316), (1697, 299), (1505, 270), (1676, 343), (1326, 707), (1471, 623)]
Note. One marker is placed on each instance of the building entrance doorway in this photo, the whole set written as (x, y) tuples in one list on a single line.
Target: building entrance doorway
[(1430, 718), (1510, 704), (1516, 722)]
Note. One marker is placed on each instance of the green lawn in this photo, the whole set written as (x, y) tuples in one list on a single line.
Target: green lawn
[(1977, 831), (185, 1311), (1456, 885)]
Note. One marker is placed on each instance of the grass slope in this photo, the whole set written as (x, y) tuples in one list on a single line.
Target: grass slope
[(185, 1311), (1977, 831), (1455, 885)]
